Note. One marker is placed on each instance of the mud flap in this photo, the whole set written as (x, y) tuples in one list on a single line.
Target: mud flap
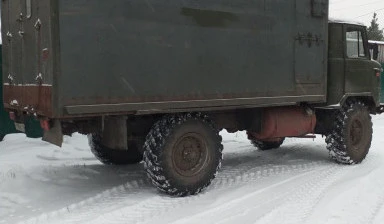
[(115, 132), (54, 135)]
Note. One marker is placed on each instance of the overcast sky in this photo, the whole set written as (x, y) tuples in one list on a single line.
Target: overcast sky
[(358, 10)]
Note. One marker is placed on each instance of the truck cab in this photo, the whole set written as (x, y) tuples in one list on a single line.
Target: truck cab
[(351, 72)]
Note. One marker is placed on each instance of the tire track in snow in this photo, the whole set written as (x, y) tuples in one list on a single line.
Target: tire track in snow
[(360, 192), (301, 205), (240, 173), (379, 204), (379, 213), (137, 208), (106, 197), (151, 208), (376, 204), (379, 208), (316, 175)]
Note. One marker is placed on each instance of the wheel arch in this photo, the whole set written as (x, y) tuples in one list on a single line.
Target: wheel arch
[(367, 99)]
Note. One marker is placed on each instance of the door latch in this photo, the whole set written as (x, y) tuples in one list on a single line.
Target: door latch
[(9, 35), (39, 79), (21, 33)]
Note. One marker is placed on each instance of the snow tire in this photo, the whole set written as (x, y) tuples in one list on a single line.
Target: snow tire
[(350, 140), (183, 153), (110, 156)]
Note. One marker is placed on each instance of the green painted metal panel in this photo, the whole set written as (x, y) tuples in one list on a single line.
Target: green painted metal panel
[(32, 126), (382, 85), (182, 56)]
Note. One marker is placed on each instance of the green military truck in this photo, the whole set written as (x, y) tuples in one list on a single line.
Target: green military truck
[(157, 80)]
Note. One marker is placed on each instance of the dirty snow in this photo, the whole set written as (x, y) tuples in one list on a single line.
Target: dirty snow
[(41, 183)]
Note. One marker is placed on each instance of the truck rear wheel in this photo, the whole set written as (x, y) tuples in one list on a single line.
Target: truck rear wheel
[(351, 138), (182, 154), (265, 145), (113, 156)]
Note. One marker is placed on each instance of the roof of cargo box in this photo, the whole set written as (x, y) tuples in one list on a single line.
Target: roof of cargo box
[(353, 22)]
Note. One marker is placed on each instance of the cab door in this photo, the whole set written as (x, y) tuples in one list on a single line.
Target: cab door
[(20, 43), (360, 76), (310, 42)]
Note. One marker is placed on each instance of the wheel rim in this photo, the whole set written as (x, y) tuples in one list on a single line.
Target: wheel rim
[(190, 154), (356, 133)]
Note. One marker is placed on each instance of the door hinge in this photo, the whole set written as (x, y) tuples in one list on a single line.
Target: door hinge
[(21, 33), (39, 79), (21, 18), (10, 79), (37, 24), (9, 35)]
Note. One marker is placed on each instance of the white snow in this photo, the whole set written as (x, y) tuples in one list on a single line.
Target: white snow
[(352, 22), (376, 42), (297, 183), (14, 102)]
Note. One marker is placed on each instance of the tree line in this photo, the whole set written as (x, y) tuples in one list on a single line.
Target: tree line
[(374, 30)]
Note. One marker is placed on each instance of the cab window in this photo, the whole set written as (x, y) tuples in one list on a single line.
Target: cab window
[(355, 44)]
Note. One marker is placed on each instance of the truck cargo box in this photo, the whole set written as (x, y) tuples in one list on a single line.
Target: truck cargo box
[(83, 58)]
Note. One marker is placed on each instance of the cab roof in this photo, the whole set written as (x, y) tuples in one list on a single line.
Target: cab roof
[(344, 21)]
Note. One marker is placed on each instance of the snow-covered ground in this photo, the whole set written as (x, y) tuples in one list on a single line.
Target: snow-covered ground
[(41, 183)]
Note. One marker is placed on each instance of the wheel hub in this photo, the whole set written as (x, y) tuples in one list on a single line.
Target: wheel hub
[(190, 154)]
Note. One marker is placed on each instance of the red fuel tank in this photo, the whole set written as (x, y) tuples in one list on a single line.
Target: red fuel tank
[(286, 122)]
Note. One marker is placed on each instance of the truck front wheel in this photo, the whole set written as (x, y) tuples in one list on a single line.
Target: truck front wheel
[(350, 140), (182, 154), (113, 156)]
